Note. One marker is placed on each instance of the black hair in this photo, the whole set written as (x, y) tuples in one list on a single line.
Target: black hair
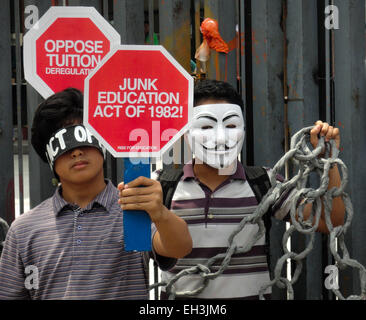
[(57, 111), (208, 89)]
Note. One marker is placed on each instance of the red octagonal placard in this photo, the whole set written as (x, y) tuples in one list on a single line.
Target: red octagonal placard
[(138, 101), (64, 46)]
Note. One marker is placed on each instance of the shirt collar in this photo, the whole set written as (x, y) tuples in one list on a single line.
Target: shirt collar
[(188, 172), (104, 199)]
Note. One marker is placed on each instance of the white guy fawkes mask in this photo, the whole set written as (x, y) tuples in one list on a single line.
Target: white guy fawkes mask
[(217, 134)]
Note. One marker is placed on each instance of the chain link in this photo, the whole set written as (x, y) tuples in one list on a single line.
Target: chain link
[(306, 161)]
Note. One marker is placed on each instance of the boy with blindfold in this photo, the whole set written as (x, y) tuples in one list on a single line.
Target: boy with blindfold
[(72, 243), (213, 196)]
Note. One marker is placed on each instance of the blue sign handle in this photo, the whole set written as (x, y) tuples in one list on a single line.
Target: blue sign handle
[(136, 223)]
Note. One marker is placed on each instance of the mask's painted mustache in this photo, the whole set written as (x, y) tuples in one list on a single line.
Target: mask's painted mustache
[(217, 149)]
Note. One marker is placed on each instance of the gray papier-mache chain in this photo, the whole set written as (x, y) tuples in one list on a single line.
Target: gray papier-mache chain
[(306, 161)]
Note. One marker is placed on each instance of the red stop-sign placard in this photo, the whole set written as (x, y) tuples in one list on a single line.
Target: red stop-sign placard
[(138, 101), (64, 46)]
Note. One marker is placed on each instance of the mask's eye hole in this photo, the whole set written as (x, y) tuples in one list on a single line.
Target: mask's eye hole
[(206, 127), (231, 126)]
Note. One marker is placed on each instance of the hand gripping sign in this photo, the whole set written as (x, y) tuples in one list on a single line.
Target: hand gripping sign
[(138, 102), (64, 46)]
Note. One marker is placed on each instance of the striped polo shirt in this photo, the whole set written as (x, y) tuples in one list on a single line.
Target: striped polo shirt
[(75, 253), (212, 216)]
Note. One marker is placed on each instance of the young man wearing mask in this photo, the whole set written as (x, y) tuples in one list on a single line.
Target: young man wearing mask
[(213, 196)]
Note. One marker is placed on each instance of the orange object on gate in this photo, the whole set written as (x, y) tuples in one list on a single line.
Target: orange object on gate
[(211, 39), (210, 32)]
